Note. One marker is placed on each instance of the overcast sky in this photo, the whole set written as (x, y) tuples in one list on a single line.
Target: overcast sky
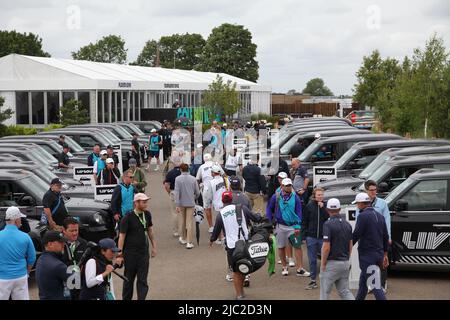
[(297, 40)]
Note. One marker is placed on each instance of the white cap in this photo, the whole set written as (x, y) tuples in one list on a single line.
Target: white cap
[(286, 182), (140, 197), (333, 203), (109, 160), (317, 136), (224, 125), (153, 130), (361, 197), (282, 175), (103, 152), (199, 145), (13, 213), (216, 169), (207, 157)]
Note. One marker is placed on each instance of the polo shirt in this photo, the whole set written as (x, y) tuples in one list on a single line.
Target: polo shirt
[(338, 233), (136, 239), (171, 176), (51, 272), (50, 201)]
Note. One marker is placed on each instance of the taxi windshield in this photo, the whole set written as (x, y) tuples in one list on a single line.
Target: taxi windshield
[(374, 165), (346, 158), (312, 148), (398, 191), (378, 175)]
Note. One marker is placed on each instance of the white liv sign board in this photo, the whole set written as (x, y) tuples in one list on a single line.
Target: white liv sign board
[(104, 192), (84, 175), (350, 215), (322, 174)]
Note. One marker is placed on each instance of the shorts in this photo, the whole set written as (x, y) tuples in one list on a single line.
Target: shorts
[(230, 259), (153, 154), (282, 234)]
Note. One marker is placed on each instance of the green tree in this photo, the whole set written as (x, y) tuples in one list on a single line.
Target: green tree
[(21, 43), (317, 87), (74, 112), (5, 114), (147, 57), (222, 97), (109, 49), (229, 49)]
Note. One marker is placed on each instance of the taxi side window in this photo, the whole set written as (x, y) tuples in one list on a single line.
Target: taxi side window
[(6, 194), (399, 175), (326, 152), (365, 157), (428, 196)]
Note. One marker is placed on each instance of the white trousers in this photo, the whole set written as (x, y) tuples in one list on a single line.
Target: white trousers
[(17, 289)]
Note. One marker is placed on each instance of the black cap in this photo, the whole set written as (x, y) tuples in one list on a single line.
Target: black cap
[(56, 181), (108, 243), (110, 147), (62, 136), (52, 236), (235, 182)]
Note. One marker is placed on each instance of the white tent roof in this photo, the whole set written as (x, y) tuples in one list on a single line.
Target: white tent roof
[(19, 72)]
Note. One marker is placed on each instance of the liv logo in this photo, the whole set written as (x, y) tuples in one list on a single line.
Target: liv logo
[(425, 240)]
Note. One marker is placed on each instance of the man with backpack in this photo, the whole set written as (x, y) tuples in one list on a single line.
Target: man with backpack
[(285, 209), (233, 222), (54, 208), (109, 175)]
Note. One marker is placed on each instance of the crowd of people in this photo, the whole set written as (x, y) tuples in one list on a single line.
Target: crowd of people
[(233, 195)]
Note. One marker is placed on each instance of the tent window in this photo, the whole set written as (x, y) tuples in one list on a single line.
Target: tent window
[(37, 103), (68, 96), (84, 97), (22, 111), (53, 107)]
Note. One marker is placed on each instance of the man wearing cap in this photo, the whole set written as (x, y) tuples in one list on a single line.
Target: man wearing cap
[(96, 281), (336, 251), (109, 175), (17, 257), (139, 181), (301, 180), (275, 181), (112, 155), (313, 218), (186, 192), (226, 223), (100, 164), (54, 208), (62, 140), (380, 205), (154, 145), (134, 154), (169, 185), (135, 144), (212, 194), (239, 197), (122, 197), (63, 157), (372, 234), (94, 156), (286, 210), (136, 229), (51, 271)]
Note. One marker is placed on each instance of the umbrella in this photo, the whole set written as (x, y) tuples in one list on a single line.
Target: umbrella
[(198, 216)]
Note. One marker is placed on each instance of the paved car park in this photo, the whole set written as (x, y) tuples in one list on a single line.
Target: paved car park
[(177, 273)]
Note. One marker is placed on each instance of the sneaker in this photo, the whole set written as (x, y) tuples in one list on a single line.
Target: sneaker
[(291, 262), (189, 246), (279, 261), (147, 168), (303, 273), (180, 239), (219, 242), (284, 271), (247, 281), (311, 285), (210, 230), (176, 234), (240, 297), (229, 278)]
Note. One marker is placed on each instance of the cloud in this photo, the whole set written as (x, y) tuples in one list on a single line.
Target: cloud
[(297, 39)]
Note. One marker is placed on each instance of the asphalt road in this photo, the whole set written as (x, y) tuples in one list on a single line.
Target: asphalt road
[(199, 273)]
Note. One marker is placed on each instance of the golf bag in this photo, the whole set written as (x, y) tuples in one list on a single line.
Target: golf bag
[(250, 255)]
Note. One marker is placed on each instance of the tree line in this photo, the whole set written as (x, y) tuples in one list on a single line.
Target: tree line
[(411, 96)]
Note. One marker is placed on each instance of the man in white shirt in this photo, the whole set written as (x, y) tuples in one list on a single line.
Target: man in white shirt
[(212, 194), (234, 161)]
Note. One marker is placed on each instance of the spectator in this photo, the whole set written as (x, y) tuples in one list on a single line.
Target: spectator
[(301, 180), (51, 271), (373, 237), (255, 185), (139, 181), (100, 164), (112, 155), (336, 251), (274, 181), (109, 175), (136, 229), (169, 185), (297, 149), (54, 208), (94, 156), (238, 196), (186, 191), (314, 216), (62, 140), (154, 143), (17, 257), (63, 158), (134, 154), (286, 210), (232, 163), (122, 197)]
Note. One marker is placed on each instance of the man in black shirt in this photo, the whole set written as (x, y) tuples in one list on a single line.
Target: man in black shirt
[(62, 139), (297, 149), (135, 143), (63, 158), (54, 208), (51, 271), (74, 248), (136, 229), (169, 185), (336, 250)]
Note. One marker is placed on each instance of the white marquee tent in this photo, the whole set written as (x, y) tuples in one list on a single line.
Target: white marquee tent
[(35, 88)]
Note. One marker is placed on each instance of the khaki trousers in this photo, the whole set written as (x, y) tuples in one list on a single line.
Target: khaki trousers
[(186, 217), (257, 202), (176, 227)]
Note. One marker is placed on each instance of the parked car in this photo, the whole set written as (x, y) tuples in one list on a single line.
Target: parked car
[(147, 126)]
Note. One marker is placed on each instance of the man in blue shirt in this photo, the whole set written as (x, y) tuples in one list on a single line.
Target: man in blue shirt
[(17, 257), (380, 205), (372, 234), (51, 271)]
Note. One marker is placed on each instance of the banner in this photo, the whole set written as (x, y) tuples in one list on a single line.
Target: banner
[(104, 193), (322, 174), (84, 175)]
